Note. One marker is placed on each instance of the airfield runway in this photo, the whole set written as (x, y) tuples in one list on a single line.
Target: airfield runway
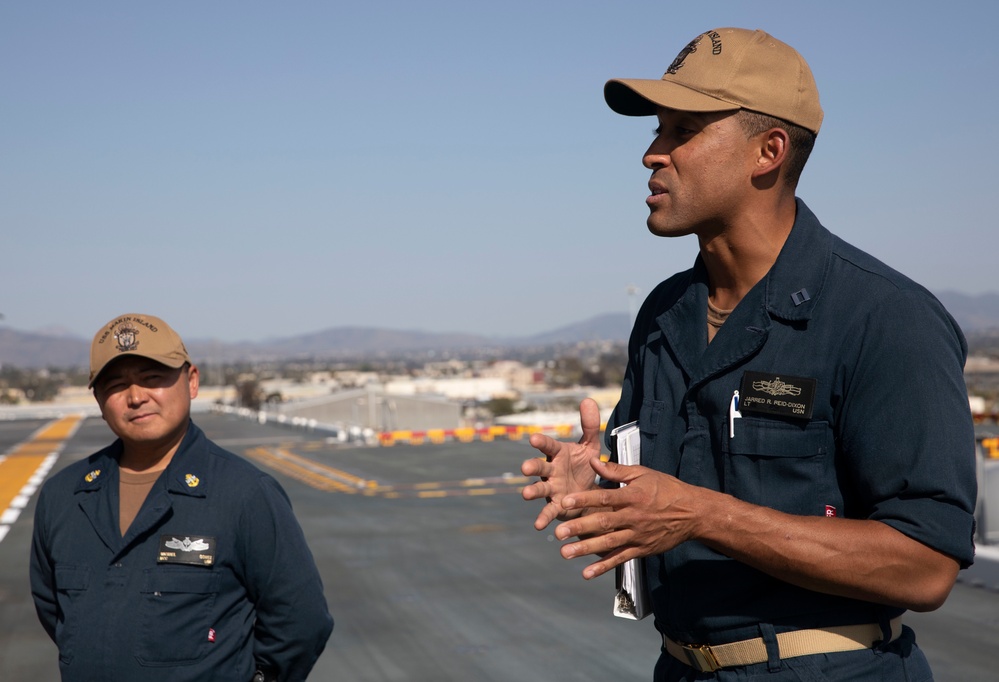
[(432, 568)]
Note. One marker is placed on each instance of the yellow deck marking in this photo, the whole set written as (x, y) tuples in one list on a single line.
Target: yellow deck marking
[(508, 483), (330, 479), (324, 469), (23, 468), (307, 471), (432, 493)]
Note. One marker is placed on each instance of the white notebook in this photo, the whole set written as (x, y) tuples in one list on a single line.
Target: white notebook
[(632, 598)]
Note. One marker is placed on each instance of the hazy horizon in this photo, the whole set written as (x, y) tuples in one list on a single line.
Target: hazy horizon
[(255, 170)]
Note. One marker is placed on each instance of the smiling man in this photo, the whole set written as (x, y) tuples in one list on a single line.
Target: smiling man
[(807, 451), (163, 556)]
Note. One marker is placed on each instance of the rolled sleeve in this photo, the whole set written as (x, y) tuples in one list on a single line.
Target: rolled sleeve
[(907, 433)]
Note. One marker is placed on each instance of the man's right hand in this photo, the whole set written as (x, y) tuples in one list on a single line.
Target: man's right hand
[(565, 467)]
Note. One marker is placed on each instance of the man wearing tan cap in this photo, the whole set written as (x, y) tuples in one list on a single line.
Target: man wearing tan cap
[(163, 556), (807, 451)]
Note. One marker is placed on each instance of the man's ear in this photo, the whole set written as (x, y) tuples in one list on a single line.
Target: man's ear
[(773, 150), (193, 380)]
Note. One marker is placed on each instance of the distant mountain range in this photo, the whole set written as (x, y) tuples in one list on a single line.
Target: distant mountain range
[(36, 349), (977, 314)]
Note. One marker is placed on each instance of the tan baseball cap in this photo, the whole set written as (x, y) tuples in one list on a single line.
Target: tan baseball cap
[(136, 334), (724, 70)]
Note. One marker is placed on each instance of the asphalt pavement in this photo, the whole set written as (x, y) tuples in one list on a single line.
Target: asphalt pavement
[(433, 570)]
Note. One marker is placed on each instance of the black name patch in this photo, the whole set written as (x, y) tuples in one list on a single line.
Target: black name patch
[(196, 550), (782, 395)]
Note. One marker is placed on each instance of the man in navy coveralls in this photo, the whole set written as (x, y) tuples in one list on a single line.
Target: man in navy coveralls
[(163, 556), (807, 447)]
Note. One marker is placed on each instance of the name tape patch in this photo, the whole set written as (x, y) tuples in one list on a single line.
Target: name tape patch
[(782, 395), (196, 550)]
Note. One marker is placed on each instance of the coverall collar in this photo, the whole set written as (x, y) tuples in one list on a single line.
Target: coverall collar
[(787, 292)]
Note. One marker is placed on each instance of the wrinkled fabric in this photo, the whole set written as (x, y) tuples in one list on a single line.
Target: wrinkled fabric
[(890, 435), (117, 614)]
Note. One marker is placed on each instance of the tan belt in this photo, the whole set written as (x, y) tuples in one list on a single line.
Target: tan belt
[(711, 657)]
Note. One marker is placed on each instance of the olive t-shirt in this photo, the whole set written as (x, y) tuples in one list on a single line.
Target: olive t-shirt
[(132, 492)]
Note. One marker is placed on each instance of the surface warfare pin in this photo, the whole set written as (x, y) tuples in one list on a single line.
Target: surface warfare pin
[(777, 394), (196, 550)]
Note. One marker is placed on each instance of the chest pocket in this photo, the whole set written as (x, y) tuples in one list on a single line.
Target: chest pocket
[(785, 466), (176, 615)]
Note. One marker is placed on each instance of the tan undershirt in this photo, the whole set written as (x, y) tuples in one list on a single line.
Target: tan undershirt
[(132, 492), (716, 318)]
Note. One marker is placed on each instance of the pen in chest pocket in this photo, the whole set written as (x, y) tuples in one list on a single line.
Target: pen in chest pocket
[(733, 414)]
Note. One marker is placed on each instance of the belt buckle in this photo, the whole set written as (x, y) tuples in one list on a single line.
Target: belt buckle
[(701, 657)]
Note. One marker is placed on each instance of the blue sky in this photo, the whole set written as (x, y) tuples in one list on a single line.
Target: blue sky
[(250, 170)]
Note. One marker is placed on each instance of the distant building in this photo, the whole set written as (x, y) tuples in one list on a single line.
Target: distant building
[(454, 388), (374, 408), (520, 377)]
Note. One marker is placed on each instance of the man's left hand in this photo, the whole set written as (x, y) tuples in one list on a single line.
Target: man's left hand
[(652, 513)]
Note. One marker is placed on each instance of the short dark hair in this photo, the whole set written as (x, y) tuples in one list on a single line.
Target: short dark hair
[(802, 140)]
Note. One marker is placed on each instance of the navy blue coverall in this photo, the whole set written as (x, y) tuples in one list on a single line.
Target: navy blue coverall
[(887, 434), (212, 579)]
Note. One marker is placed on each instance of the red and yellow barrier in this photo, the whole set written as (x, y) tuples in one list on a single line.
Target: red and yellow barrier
[(469, 434)]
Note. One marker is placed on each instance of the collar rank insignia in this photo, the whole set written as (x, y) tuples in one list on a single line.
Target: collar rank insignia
[(197, 550), (92, 476), (192, 481)]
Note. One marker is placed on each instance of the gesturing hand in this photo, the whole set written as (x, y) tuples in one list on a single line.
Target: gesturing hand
[(651, 513), (566, 467)]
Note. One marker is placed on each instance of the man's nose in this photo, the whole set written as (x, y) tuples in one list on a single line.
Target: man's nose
[(657, 155), (135, 394)]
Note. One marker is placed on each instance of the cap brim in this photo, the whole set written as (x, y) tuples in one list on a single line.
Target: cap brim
[(173, 361), (641, 97)]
